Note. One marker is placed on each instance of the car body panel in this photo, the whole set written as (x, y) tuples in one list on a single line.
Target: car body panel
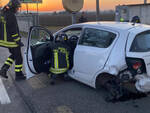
[(143, 55), (91, 59), (90, 62)]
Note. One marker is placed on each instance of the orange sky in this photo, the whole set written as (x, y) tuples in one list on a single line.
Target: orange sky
[(56, 5)]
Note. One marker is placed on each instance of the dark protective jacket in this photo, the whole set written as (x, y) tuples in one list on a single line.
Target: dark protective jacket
[(82, 19), (60, 58), (9, 31)]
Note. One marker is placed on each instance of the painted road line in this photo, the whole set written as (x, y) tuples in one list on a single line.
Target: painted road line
[(4, 98), (36, 83), (63, 109)]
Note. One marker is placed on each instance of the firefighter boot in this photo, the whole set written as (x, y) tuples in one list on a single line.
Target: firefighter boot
[(3, 71), (20, 76)]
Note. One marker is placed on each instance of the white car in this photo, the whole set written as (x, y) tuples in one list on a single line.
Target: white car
[(103, 50)]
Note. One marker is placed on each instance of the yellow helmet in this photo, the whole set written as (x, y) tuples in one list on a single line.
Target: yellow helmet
[(121, 19)]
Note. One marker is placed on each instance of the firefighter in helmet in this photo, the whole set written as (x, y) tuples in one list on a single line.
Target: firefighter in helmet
[(82, 18), (10, 38), (60, 56), (121, 19)]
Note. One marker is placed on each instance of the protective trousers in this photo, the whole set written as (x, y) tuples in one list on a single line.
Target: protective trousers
[(17, 57)]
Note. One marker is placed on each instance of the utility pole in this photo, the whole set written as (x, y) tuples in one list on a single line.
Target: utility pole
[(37, 12), (73, 17), (145, 1), (97, 11), (0, 4), (27, 8)]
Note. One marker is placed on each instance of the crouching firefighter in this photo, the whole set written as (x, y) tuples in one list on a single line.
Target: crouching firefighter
[(60, 58), (10, 38)]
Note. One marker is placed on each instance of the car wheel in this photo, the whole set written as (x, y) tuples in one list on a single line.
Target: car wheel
[(102, 79)]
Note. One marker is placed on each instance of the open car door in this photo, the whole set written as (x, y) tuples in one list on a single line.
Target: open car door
[(37, 53)]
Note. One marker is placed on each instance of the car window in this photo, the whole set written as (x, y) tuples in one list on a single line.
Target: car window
[(73, 31), (97, 38), (39, 36), (141, 43)]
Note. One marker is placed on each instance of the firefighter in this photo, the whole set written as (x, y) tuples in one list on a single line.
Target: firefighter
[(136, 19), (60, 60), (82, 18), (121, 19), (10, 38)]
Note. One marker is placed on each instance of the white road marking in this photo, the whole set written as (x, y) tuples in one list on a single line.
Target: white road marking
[(4, 98)]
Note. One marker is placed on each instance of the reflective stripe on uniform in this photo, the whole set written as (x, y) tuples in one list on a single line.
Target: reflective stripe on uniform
[(11, 60), (58, 71), (5, 45), (67, 59), (56, 59), (5, 33), (18, 66), (17, 39), (15, 35), (8, 63), (8, 44), (18, 70)]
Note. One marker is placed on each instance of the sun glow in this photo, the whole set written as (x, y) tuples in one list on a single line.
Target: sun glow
[(56, 5)]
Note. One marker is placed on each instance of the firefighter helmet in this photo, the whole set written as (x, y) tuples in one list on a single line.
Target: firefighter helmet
[(14, 4), (62, 37), (121, 19), (136, 19)]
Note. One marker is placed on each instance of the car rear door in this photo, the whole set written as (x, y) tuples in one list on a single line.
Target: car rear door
[(92, 52), (36, 55), (138, 46)]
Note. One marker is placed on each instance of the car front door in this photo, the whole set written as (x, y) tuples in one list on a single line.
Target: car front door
[(91, 53), (37, 53)]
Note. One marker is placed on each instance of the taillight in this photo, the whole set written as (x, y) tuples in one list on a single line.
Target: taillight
[(137, 65)]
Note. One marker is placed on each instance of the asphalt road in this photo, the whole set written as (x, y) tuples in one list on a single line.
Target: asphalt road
[(36, 95)]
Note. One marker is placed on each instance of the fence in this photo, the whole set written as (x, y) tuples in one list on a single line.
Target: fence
[(26, 21)]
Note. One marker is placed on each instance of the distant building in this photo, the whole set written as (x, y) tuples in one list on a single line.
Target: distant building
[(127, 12)]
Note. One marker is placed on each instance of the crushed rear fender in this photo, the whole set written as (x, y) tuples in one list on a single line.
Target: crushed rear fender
[(143, 83)]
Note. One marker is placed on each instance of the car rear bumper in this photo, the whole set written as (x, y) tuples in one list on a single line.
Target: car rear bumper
[(143, 83)]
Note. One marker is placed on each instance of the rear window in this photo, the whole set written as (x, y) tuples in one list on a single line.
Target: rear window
[(141, 42), (97, 38)]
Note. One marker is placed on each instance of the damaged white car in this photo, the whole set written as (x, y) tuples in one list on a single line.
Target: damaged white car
[(102, 51)]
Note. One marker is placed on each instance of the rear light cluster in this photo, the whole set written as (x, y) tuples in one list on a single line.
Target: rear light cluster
[(136, 65)]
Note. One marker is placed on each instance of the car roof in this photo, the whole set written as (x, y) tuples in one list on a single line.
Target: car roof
[(114, 25)]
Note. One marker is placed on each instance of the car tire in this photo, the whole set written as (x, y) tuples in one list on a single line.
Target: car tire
[(102, 79)]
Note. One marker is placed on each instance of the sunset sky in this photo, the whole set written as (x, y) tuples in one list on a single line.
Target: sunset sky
[(56, 5)]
